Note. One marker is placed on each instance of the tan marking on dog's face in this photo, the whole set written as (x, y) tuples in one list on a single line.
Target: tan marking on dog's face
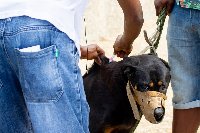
[(151, 84), (109, 130), (160, 83), (136, 87)]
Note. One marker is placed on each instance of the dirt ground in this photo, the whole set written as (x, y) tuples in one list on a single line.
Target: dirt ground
[(104, 21)]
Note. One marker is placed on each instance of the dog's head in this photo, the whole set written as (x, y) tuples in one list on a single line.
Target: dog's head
[(149, 77)]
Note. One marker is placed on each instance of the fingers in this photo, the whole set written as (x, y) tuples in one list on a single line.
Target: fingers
[(170, 6), (121, 49), (122, 54), (157, 7), (100, 51), (158, 10), (159, 4), (98, 60)]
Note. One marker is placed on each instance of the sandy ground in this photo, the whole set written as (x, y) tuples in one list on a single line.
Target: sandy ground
[(104, 21)]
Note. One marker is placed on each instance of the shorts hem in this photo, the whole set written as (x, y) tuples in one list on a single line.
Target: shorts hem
[(189, 105)]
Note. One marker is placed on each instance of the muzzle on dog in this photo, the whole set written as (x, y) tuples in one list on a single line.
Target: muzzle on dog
[(152, 104)]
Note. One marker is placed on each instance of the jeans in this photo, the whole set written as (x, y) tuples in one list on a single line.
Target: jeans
[(183, 37), (40, 91)]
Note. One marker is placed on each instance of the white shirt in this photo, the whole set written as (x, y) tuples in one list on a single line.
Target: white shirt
[(66, 15)]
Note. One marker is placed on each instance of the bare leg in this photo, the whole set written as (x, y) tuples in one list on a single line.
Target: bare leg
[(186, 120)]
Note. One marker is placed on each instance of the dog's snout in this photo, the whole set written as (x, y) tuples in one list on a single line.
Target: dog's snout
[(159, 113)]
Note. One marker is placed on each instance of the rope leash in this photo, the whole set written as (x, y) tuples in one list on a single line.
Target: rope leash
[(161, 21), (153, 41)]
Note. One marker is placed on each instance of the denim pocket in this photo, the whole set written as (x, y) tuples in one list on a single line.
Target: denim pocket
[(39, 75)]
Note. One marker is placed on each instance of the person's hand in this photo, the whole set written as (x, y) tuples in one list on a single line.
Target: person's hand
[(120, 49), (159, 4), (92, 51)]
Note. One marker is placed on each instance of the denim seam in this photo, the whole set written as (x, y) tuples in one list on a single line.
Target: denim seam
[(78, 86), (191, 17), (1, 84), (37, 56), (30, 28), (57, 98), (4, 47), (60, 82)]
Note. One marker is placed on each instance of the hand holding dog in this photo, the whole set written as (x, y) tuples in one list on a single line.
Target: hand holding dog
[(92, 51), (120, 49)]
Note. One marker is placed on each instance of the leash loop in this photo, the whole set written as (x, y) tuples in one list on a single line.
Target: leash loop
[(155, 37)]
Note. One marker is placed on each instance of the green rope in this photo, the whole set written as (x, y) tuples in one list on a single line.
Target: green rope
[(161, 21)]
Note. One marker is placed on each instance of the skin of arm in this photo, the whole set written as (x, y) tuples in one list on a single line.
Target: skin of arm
[(92, 51), (133, 21)]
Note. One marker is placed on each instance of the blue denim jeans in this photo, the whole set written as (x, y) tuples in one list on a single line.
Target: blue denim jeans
[(183, 37), (40, 91)]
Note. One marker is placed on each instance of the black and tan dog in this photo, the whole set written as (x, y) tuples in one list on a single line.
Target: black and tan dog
[(105, 87)]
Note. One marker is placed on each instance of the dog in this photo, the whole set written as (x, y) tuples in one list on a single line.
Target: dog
[(105, 88)]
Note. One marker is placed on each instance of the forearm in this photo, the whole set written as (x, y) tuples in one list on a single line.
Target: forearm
[(133, 20)]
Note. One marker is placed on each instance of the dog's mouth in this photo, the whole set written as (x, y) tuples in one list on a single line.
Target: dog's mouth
[(152, 104), (159, 114)]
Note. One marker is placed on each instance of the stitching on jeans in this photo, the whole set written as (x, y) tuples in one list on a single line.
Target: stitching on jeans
[(6, 53), (60, 82), (43, 52), (29, 28), (1, 84), (191, 17)]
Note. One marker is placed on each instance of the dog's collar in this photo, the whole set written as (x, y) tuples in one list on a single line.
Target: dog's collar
[(133, 99)]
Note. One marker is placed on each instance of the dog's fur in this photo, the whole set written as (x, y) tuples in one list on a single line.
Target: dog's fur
[(105, 87)]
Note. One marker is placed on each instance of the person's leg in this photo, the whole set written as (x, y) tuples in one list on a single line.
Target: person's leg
[(50, 78), (14, 117), (186, 120), (184, 58)]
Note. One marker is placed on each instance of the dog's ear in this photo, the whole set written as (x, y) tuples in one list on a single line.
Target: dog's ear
[(129, 71), (131, 61), (166, 64), (129, 66), (104, 60)]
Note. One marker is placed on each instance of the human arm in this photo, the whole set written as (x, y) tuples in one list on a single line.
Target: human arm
[(92, 52), (133, 21), (159, 4)]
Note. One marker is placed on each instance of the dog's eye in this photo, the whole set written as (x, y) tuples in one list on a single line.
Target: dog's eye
[(146, 87), (163, 87)]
